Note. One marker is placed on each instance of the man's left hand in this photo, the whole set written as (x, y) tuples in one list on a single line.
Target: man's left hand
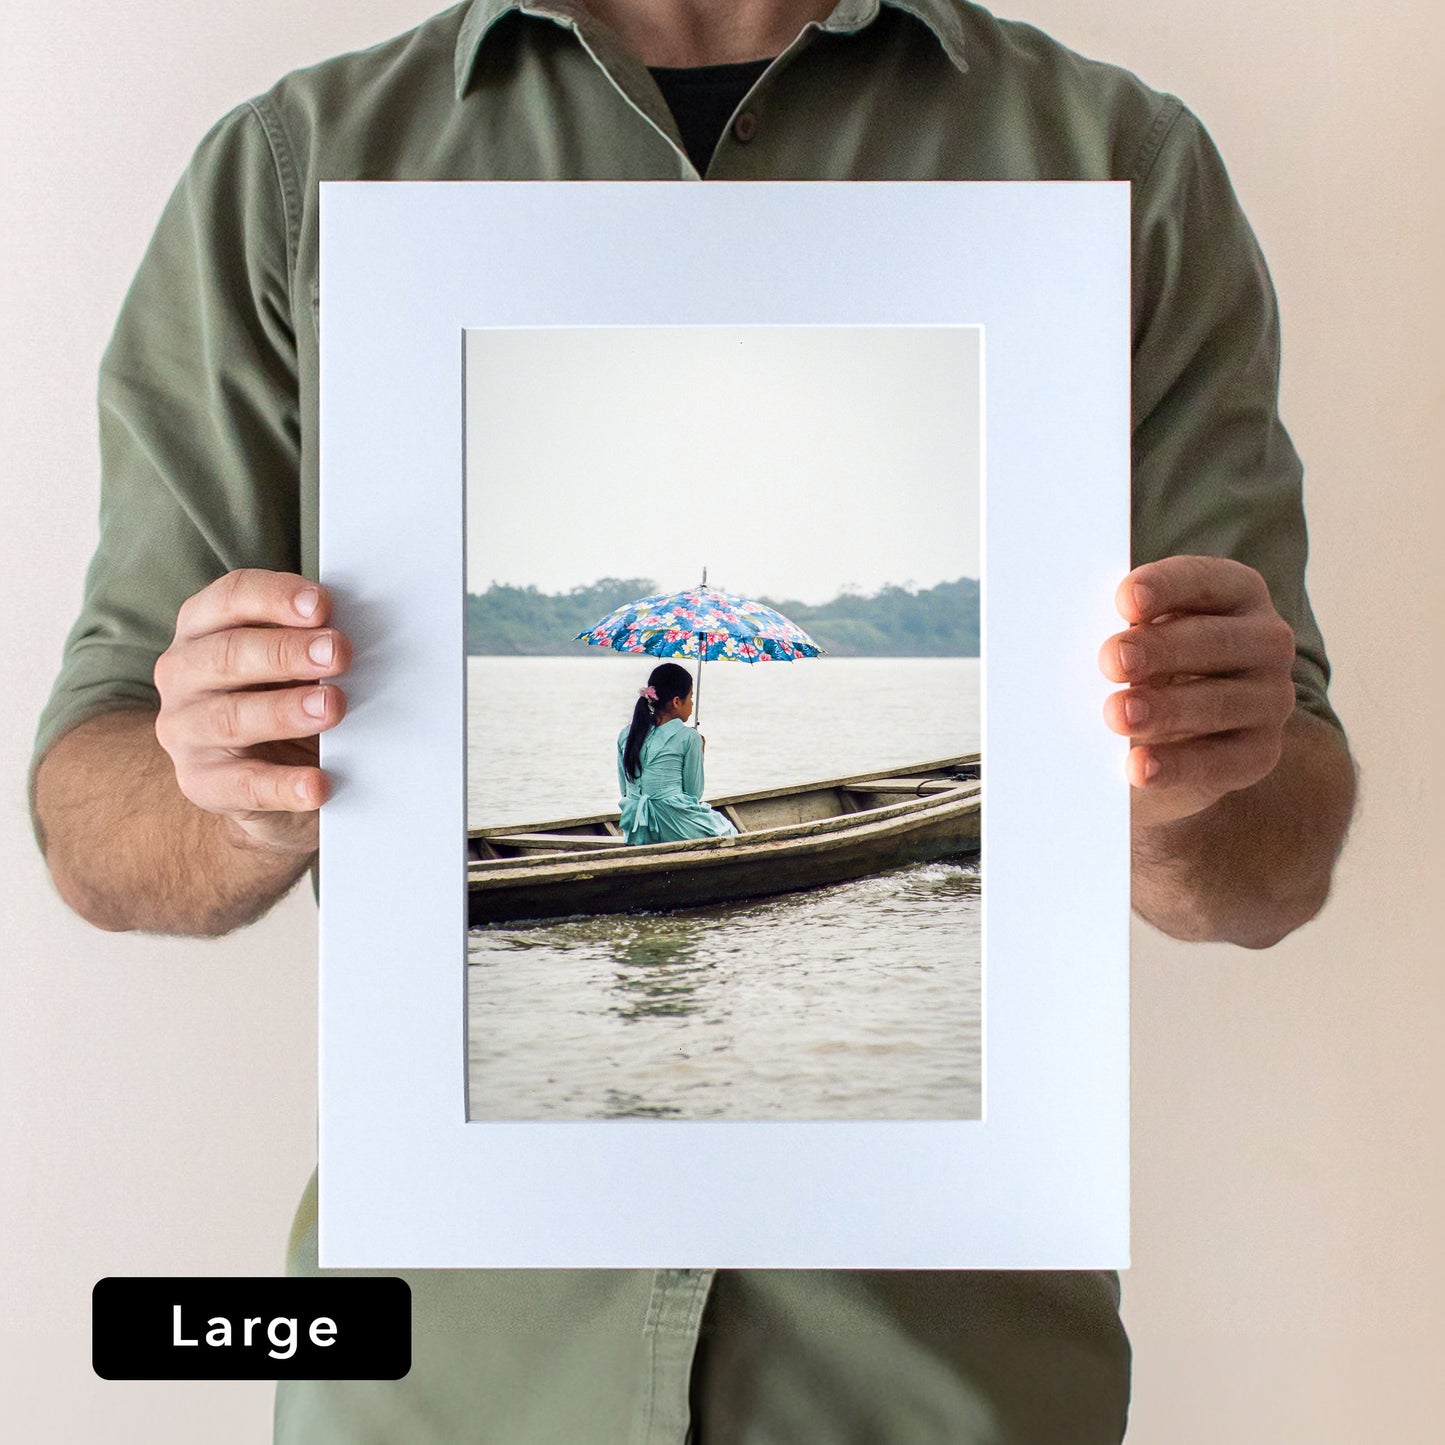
[(1207, 661)]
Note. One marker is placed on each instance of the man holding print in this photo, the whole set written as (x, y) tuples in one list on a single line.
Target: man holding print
[(176, 788)]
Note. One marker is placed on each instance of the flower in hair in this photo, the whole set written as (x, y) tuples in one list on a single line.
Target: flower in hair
[(650, 693)]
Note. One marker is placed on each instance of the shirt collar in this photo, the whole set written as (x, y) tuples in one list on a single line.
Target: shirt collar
[(943, 17)]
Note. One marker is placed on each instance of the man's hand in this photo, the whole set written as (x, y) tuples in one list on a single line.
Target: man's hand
[(1207, 660), (242, 703), (1241, 800), (196, 819)]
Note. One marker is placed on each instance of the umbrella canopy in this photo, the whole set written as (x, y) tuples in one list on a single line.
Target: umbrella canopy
[(705, 623), (702, 622)]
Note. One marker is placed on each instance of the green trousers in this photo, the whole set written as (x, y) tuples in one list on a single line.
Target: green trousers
[(736, 1357)]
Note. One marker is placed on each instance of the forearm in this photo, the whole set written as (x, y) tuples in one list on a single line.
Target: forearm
[(1256, 864), (128, 851)]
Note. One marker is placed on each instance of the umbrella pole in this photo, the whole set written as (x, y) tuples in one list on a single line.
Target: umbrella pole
[(697, 686)]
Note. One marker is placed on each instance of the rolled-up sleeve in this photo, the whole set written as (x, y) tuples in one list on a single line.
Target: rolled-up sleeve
[(1215, 472), (199, 423)]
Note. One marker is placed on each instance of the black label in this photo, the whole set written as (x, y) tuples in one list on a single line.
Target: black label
[(251, 1329)]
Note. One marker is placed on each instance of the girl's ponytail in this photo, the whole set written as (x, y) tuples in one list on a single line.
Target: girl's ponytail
[(641, 726), (668, 681)]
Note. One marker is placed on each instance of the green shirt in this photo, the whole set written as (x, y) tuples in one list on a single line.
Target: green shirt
[(208, 415)]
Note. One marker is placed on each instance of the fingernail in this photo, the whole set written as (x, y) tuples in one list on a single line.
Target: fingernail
[(322, 650), (306, 601), (1131, 656), (314, 703), (1135, 710), (303, 791), (1150, 768), (1144, 597)]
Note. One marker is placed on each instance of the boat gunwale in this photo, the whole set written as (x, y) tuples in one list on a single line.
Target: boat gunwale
[(493, 830), (782, 840)]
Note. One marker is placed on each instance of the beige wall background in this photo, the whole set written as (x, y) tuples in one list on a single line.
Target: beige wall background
[(159, 1097)]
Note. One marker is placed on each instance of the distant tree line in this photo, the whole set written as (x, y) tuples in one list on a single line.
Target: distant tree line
[(523, 622), (939, 621)]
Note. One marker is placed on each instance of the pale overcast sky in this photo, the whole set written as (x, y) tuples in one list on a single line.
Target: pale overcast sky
[(790, 461)]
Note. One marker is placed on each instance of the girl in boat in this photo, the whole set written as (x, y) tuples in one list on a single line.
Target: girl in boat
[(659, 765)]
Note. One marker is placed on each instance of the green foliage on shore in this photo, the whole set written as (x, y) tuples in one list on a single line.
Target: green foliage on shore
[(523, 622), (937, 621)]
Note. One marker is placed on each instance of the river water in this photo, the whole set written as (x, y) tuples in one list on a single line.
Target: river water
[(860, 1001)]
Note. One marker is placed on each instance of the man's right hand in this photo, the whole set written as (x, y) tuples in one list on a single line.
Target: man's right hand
[(242, 702)]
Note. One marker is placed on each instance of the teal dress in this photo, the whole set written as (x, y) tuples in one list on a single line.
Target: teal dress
[(664, 802)]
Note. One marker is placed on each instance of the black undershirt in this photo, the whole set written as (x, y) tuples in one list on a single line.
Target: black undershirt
[(702, 98)]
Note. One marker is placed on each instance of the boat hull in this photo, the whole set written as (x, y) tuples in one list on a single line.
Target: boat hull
[(787, 857)]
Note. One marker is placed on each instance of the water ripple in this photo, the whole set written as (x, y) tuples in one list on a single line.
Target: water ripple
[(859, 1001)]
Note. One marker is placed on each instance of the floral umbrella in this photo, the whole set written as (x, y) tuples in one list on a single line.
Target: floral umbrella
[(704, 623)]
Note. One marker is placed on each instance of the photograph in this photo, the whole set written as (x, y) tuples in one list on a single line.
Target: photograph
[(724, 774)]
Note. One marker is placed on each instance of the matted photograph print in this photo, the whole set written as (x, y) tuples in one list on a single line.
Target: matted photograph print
[(724, 782), (637, 949)]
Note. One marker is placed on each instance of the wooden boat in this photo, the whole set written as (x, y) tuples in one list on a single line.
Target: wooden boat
[(787, 839)]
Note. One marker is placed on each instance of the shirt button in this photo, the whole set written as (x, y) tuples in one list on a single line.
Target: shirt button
[(745, 127)]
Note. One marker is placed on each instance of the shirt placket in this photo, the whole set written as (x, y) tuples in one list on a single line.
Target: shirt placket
[(627, 74), (674, 1318), (636, 86)]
